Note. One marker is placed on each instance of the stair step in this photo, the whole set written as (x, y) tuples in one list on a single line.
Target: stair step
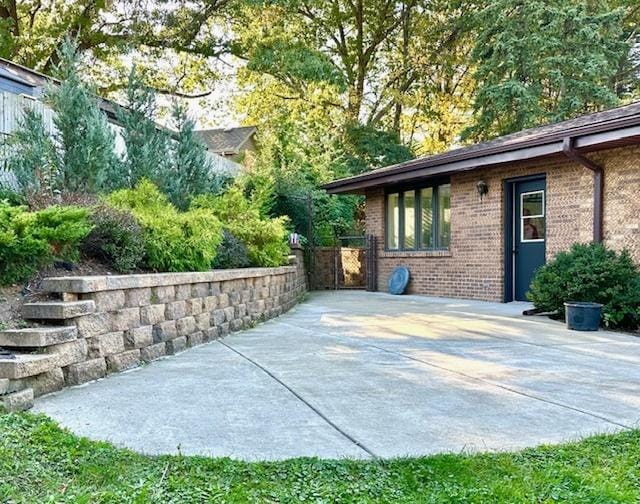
[(37, 336), (18, 401), (57, 310), (24, 365)]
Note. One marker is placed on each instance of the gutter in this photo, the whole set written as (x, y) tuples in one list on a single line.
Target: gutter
[(598, 185)]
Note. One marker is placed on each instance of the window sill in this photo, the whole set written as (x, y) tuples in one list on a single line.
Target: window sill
[(416, 253)]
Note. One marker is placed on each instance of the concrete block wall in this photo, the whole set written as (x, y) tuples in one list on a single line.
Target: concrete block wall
[(106, 324)]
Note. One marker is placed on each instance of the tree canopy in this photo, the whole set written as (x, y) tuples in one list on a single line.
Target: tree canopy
[(185, 34), (543, 61), (338, 87)]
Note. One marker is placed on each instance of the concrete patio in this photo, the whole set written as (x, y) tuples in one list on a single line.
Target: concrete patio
[(355, 374)]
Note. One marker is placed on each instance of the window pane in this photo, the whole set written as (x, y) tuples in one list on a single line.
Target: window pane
[(409, 220), (393, 221), (532, 229), (426, 218), (533, 204), (444, 215)]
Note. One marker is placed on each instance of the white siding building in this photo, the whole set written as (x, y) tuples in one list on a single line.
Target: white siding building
[(22, 87)]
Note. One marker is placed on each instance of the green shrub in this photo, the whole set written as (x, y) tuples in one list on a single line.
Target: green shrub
[(63, 228), (232, 253), (590, 273), (21, 254), (264, 237), (12, 197), (31, 240), (116, 238), (173, 240)]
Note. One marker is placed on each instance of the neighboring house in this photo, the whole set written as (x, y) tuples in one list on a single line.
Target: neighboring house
[(21, 86), (235, 144), (476, 222)]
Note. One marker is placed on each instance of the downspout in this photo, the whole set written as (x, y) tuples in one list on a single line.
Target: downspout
[(598, 185)]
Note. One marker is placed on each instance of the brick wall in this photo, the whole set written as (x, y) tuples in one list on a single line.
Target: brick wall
[(473, 267)]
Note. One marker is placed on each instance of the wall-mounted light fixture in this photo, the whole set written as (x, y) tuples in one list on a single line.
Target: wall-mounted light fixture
[(482, 188)]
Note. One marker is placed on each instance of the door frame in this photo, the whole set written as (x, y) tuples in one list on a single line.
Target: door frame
[(508, 228)]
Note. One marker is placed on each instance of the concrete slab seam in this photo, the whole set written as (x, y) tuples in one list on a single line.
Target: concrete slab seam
[(303, 400), (504, 387)]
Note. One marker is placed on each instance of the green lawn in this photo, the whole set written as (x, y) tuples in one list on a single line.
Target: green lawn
[(40, 462)]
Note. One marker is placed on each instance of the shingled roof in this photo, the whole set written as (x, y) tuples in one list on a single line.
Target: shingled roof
[(227, 141), (609, 128)]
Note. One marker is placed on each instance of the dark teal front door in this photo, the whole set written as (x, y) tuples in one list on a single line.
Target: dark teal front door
[(529, 233)]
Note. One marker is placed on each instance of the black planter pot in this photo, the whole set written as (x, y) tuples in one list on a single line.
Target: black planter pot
[(581, 316)]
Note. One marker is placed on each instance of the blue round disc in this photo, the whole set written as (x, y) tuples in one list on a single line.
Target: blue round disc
[(398, 280)]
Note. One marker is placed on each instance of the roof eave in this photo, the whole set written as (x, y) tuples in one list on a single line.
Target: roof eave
[(426, 169)]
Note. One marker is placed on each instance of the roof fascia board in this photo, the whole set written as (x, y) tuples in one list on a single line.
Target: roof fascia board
[(595, 139), (463, 165), (12, 77), (588, 141)]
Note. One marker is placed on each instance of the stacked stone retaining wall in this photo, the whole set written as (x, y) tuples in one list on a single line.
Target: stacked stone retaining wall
[(98, 325)]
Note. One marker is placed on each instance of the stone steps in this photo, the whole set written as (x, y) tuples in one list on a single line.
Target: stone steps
[(25, 365), (24, 375), (37, 336), (18, 401), (57, 310)]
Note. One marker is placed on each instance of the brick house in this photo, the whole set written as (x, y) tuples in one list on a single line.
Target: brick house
[(476, 222)]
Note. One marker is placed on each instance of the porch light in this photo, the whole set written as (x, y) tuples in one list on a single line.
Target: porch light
[(482, 188)]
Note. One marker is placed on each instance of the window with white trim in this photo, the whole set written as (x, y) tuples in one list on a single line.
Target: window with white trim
[(418, 219), (532, 217)]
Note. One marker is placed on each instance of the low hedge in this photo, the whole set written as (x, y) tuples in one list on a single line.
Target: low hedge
[(173, 240), (139, 228), (265, 238), (32, 240)]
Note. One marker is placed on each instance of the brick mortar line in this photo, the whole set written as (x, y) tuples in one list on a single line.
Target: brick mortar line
[(303, 400)]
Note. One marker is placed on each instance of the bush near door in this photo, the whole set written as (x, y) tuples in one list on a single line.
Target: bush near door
[(593, 273)]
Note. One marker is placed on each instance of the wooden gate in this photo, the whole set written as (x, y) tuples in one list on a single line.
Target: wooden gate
[(348, 264)]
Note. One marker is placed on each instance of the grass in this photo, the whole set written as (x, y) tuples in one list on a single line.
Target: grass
[(40, 462)]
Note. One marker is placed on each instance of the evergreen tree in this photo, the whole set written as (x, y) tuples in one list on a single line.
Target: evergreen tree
[(543, 61), (147, 146), (86, 141), (32, 156), (80, 154), (191, 170)]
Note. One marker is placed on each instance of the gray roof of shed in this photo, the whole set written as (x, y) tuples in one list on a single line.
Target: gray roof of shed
[(39, 80)]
